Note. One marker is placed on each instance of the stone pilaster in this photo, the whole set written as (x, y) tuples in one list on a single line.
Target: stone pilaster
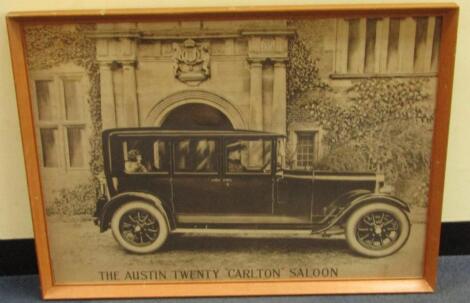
[(256, 94), (108, 105), (255, 160), (279, 110), (131, 106)]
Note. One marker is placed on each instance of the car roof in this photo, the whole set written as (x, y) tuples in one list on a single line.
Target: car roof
[(151, 131)]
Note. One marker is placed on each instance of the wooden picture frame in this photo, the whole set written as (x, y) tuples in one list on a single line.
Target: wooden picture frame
[(53, 289)]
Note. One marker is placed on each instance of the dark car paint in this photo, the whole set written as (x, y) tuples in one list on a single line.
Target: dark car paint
[(294, 197), (319, 199)]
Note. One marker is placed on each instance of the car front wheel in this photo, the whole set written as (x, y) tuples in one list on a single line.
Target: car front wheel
[(377, 229), (139, 227)]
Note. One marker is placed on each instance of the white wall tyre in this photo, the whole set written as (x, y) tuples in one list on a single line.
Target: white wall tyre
[(377, 230), (139, 227)]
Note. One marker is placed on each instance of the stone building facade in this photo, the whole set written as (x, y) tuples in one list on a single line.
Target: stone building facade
[(216, 75), (150, 70)]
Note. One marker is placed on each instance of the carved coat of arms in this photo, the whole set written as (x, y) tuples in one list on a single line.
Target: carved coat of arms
[(191, 61)]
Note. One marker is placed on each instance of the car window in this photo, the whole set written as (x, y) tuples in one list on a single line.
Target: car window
[(195, 155), (145, 155), (281, 156), (248, 155)]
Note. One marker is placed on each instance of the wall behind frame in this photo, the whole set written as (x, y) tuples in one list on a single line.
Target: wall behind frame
[(15, 219)]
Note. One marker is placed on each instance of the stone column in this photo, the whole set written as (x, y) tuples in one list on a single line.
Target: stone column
[(131, 106), (108, 105), (279, 112), (256, 112), (256, 95)]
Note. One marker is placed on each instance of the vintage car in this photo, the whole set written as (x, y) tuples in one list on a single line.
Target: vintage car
[(162, 182)]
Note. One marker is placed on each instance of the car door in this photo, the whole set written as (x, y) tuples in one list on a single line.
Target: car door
[(294, 197), (196, 177), (141, 164), (248, 179)]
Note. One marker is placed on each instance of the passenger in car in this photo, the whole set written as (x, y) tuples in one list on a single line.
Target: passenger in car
[(133, 163)]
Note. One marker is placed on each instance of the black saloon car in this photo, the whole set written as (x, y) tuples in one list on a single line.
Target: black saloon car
[(162, 182)]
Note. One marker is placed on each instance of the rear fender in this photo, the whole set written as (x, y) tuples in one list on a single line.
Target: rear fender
[(117, 201)]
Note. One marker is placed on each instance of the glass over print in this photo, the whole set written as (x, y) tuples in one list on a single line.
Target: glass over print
[(209, 150)]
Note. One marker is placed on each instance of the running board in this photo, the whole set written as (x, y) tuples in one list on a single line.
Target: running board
[(240, 219), (254, 232), (239, 231)]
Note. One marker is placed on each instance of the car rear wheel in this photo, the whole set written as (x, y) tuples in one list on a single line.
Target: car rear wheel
[(377, 229), (139, 227)]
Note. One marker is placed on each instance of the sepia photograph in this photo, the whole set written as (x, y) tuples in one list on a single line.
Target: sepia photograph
[(282, 148)]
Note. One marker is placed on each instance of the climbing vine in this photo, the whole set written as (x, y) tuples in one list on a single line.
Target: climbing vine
[(375, 124), (366, 105), (50, 46), (380, 125), (302, 70)]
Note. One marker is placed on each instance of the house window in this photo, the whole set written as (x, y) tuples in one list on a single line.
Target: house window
[(75, 140), (59, 107), (306, 149), (354, 45), (50, 147), (47, 104), (393, 44), (371, 43), (387, 46)]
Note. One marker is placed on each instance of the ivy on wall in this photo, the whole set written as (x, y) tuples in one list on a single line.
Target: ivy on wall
[(50, 46), (302, 70), (78, 200), (374, 124)]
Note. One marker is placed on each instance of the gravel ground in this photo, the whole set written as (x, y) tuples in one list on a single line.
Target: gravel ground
[(80, 253)]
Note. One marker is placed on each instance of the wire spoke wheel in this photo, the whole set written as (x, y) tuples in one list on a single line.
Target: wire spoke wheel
[(139, 227), (377, 229)]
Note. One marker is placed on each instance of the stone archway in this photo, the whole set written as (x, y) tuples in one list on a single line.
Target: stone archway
[(196, 116), (165, 107)]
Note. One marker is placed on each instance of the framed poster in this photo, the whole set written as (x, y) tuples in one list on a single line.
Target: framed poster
[(241, 151)]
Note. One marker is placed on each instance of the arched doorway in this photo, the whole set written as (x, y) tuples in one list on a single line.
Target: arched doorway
[(159, 114), (196, 116)]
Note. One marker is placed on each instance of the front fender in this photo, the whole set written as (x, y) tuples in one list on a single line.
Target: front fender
[(347, 198), (370, 198), (118, 200), (373, 197), (355, 199)]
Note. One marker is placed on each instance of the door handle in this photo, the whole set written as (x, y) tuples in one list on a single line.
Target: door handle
[(214, 180)]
